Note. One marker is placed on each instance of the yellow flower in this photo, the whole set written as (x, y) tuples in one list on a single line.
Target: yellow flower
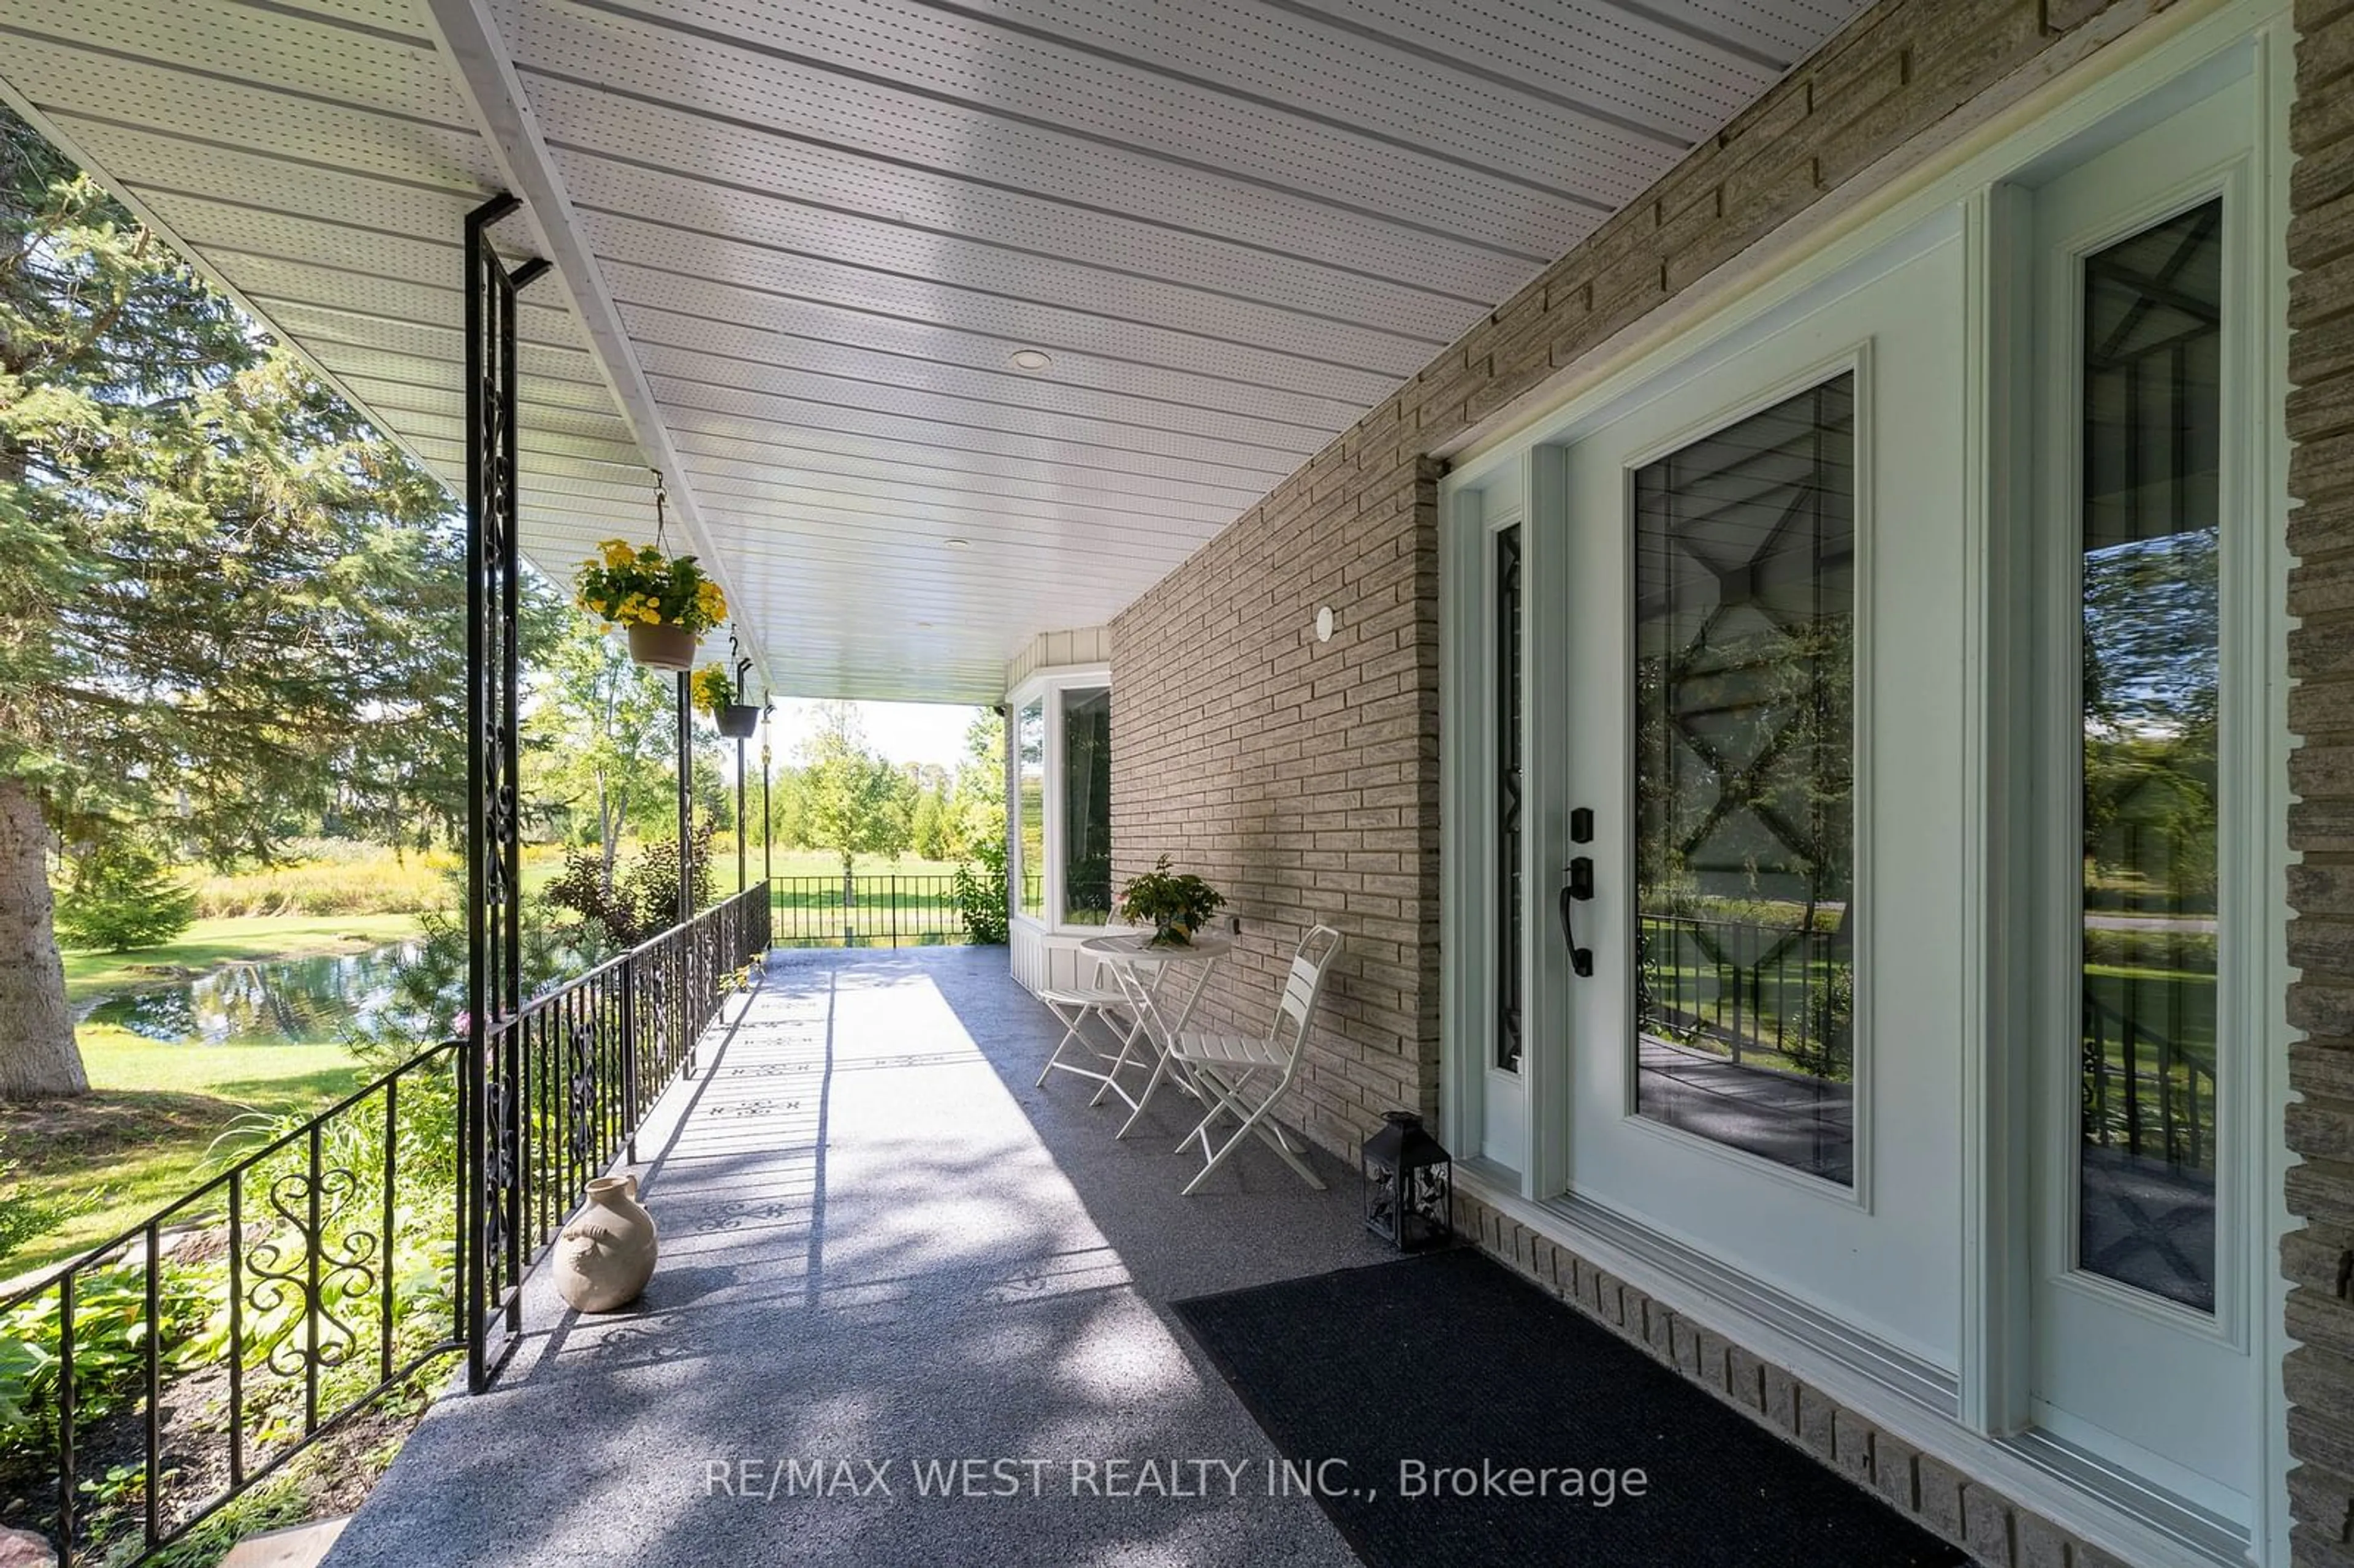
[(617, 552)]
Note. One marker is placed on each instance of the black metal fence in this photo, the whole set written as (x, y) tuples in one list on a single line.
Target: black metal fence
[(876, 912), (175, 1368), (2143, 1092), (1747, 989)]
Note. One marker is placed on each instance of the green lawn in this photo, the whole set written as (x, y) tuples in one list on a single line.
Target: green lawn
[(904, 901), (787, 864), (209, 944), (89, 1168)]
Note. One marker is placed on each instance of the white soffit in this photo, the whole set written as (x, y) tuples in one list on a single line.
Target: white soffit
[(827, 227)]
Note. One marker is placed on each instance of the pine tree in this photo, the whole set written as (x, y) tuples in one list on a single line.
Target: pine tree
[(122, 896), (229, 602)]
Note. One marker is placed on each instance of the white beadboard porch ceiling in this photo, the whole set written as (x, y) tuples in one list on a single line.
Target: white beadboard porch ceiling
[(798, 243)]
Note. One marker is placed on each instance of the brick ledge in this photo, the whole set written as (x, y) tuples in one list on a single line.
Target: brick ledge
[(1965, 1488)]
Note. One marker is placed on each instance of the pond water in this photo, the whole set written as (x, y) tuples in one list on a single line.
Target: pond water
[(287, 1001)]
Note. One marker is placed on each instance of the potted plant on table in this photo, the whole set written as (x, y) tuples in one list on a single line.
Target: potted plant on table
[(664, 602), (1175, 906), (715, 694)]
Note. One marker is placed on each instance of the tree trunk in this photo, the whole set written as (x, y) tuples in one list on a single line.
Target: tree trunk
[(37, 1057), (609, 829)]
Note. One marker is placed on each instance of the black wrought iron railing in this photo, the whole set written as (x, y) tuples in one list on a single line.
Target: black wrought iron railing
[(1747, 990), (162, 1375), (563, 1086), (2143, 1092), (189, 1358), (878, 911)]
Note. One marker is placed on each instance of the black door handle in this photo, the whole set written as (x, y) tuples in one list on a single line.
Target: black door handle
[(1576, 885)]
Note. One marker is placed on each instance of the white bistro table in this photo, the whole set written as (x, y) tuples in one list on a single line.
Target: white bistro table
[(1162, 985)]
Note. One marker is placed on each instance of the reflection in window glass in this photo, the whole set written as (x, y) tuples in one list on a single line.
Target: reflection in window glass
[(1030, 808), (1744, 663), (2152, 640), (1510, 987), (1086, 807)]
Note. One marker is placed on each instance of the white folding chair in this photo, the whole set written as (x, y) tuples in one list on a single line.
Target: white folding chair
[(1072, 1006), (1244, 1078)]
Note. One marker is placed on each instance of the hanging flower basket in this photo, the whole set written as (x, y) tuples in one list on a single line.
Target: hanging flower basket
[(664, 602), (715, 694), (663, 647)]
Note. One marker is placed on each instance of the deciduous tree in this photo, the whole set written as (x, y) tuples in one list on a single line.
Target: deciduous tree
[(850, 796), (604, 738)]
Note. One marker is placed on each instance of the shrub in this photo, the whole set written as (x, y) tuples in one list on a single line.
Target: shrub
[(2185, 951), (981, 897), (119, 896), (639, 902), (330, 877)]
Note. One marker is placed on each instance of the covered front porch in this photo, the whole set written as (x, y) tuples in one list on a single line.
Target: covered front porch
[(881, 1241)]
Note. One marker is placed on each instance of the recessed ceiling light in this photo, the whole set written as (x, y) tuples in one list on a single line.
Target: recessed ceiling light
[(1032, 359), (956, 543)]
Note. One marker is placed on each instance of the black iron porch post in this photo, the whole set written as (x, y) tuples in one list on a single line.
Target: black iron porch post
[(490, 1104), (686, 794), (742, 672)]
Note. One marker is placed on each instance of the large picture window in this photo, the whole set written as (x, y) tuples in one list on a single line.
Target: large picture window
[(1744, 665), (1062, 807), (1086, 806)]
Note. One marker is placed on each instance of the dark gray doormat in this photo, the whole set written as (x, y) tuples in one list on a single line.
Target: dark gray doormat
[(1454, 1364)]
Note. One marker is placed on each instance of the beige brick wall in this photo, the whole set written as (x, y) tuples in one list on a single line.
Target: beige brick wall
[(1303, 778), (2320, 1375), (1298, 776)]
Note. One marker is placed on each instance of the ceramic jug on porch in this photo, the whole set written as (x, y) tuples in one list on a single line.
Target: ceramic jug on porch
[(607, 1253)]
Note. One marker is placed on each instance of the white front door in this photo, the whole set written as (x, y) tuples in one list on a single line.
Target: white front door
[(1755, 837), (1893, 750)]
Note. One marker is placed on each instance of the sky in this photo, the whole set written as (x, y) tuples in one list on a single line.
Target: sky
[(903, 732)]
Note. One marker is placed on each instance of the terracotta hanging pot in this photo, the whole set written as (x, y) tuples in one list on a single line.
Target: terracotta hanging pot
[(607, 1253), (663, 647)]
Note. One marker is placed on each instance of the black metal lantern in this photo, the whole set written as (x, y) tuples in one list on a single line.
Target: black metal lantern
[(1409, 1184)]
